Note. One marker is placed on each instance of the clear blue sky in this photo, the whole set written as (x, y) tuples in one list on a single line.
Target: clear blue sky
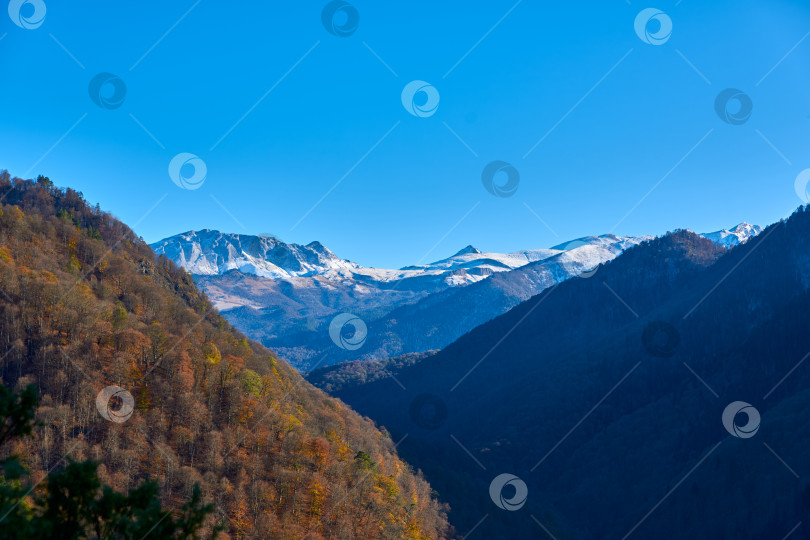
[(529, 78)]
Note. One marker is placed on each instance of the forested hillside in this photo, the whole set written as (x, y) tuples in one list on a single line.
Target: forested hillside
[(341, 377), (85, 305)]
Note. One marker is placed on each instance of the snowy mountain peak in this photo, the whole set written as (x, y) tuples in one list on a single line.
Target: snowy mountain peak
[(747, 228), (734, 236), (320, 248), (600, 241), (209, 252), (468, 250)]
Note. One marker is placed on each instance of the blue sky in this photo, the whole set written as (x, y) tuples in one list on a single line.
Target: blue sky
[(615, 118)]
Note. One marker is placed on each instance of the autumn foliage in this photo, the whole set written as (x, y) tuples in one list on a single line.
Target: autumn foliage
[(84, 304)]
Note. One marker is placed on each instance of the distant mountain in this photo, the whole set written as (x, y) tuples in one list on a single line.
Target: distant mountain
[(609, 398), (734, 237), (286, 295), (211, 253)]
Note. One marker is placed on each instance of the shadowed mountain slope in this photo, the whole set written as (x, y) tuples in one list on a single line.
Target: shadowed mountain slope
[(606, 397)]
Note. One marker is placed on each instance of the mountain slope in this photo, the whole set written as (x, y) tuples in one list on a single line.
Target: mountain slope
[(606, 396), (84, 306)]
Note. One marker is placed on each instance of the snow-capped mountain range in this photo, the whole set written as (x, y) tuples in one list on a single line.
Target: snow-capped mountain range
[(285, 294), (209, 253)]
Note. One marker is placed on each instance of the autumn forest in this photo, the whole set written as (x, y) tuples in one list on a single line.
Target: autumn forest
[(85, 304)]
